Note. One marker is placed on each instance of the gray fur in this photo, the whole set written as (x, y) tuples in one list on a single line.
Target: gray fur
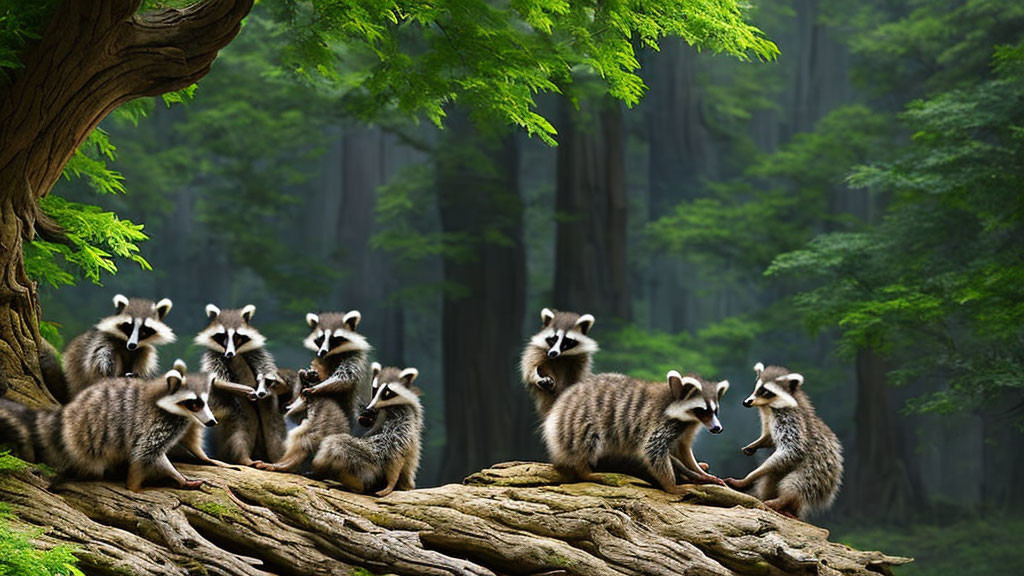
[(253, 427), (546, 378), (804, 473), (109, 427), (387, 457), (102, 352), (615, 417)]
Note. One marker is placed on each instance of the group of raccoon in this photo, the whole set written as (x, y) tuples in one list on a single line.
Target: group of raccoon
[(594, 420), (119, 415)]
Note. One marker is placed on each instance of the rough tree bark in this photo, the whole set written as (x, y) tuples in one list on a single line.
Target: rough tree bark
[(486, 415), (93, 56), (515, 518), (591, 273)]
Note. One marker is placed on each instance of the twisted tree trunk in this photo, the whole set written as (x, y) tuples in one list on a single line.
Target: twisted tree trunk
[(93, 56), (515, 518)]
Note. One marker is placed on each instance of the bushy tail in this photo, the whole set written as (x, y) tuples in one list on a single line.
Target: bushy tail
[(342, 454), (16, 423)]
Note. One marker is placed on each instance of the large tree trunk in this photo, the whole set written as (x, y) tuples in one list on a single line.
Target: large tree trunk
[(514, 519), (883, 482), (93, 56), (591, 273), (486, 415)]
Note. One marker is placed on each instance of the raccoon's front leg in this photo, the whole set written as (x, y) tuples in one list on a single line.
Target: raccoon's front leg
[(774, 462), (242, 390), (765, 441), (163, 466), (103, 362), (545, 383), (696, 473), (193, 442), (332, 384), (662, 471)]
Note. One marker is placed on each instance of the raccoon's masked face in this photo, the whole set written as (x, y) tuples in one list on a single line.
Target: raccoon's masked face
[(775, 387), (229, 331), (389, 390), (334, 333), (187, 398), (138, 322), (564, 334), (696, 400)]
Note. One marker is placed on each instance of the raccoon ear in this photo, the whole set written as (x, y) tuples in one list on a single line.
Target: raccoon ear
[(375, 369), (247, 312), (174, 380), (120, 302), (212, 312), (723, 387), (352, 319), (180, 366), (585, 323), (793, 380), (409, 375), (758, 368), (546, 316), (313, 320), (682, 387), (162, 308)]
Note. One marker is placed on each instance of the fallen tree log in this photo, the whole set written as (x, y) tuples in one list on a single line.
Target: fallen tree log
[(515, 518)]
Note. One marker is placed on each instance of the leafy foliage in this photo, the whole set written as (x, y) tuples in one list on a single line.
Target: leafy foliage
[(942, 273), (495, 58)]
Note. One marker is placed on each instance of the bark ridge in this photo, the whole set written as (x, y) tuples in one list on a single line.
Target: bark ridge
[(514, 518)]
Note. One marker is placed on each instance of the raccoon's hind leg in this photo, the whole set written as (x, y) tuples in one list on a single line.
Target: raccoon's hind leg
[(662, 471)]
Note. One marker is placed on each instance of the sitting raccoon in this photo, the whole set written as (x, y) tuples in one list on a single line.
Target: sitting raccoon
[(387, 456), (803, 474), (327, 400), (649, 424), (245, 385), (557, 357), (123, 422), (120, 345)]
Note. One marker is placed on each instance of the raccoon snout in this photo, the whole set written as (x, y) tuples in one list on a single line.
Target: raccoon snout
[(748, 402), (552, 353), (210, 423), (229, 355), (716, 429), (262, 394), (367, 418), (321, 353), (132, 345)]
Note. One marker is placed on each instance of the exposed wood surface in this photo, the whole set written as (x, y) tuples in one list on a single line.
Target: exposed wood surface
[(515, 518)]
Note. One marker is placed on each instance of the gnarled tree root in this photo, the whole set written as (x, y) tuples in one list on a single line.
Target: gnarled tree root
[(515, 518)]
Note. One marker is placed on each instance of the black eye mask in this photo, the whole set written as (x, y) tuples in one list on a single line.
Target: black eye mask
[(221, 339)]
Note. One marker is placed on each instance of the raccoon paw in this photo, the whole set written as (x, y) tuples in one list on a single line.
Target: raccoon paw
[(738, 484), (547, 384), (191, 484), (309, 376), (307, 392)]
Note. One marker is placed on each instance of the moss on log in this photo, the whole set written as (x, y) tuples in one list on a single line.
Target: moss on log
[(514, 518)]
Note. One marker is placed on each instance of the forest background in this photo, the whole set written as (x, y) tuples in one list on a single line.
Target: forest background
[(851, 210)]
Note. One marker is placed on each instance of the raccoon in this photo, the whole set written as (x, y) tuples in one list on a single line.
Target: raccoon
[(124, 422), (53, 372), (122, 345), (615, 416), (387, 457), (803, 474), (329, 393), (557, 357), (246, 386)]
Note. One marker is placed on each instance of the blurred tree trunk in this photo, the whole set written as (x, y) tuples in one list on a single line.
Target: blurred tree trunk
[(92, 57), (679, 154), (881, 480), (1002, 473), (486, 414), (368, 277), (591, 274)]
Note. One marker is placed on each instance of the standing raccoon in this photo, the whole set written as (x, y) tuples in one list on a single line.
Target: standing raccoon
[(387, 457), (124, 422), (557, 357), (804, 472), (329, 393), (123, 344), (612, 416), (245, 387)]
